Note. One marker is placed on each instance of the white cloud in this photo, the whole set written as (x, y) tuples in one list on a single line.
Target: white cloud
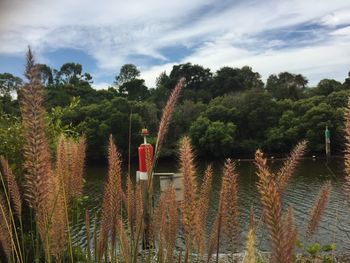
[(219, 33)]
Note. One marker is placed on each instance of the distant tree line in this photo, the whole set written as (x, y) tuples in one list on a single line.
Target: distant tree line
[(230, 112)]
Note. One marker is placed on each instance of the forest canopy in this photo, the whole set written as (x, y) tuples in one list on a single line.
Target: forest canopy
[(230, 112)]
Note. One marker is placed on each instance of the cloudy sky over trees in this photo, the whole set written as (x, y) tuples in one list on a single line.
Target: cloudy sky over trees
[(308, 37)]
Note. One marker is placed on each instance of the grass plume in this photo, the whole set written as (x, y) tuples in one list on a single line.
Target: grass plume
[(191, 220), (318, 208), (290, 164), (166, 116), (111, 197), (250, 255), (347, 151), (5, 229), (272, 210), (13, 188), (229, 200), (166, 223)]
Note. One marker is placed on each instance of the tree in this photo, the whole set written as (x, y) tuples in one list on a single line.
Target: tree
[(286, 85), (346, 83), (195, 75), (128, 72), (326, 86), (9, 83), (213, 138), (71, 73), (134, 89), (229, 79), (46, 74)]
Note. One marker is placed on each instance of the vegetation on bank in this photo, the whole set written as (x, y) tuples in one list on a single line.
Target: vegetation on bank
[(227, 113), (39, 205)]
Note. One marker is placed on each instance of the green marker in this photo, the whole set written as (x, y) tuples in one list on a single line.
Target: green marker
[(327, 135)]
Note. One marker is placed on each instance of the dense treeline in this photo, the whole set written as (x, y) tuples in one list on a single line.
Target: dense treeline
[(227, 113)]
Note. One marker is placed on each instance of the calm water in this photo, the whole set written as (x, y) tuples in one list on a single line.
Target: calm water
[(300, 194)]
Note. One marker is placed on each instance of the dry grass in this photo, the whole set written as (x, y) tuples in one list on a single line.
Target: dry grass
[(166, 116), (194, 234), (250, 256), (318, 208), (70, 162), (111, 198), (166, 224), (229, 200), (50, 191), (204, 194), (347, 151), (270, 198), (12, 187), (5, 228), (290, 165)]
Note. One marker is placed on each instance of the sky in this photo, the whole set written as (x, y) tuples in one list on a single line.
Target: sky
[(310, 37)]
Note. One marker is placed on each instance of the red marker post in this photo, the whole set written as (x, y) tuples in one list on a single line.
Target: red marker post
[(145, 152)]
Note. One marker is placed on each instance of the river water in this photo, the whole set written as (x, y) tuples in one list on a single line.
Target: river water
[(300, 194)]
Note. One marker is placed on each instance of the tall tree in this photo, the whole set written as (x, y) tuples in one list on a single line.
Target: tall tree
[(286, 85), (229, 79), (127, 73), (45, 73), (198, 79)]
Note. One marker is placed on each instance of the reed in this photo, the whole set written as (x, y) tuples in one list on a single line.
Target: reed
[(318, 209)]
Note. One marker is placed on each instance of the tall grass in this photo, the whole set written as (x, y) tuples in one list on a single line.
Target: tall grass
[(36, 216)]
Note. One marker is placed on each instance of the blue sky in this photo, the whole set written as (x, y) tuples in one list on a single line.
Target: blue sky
[(308, 37)]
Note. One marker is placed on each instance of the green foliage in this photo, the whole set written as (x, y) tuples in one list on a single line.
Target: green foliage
[(56, 126), (286, 85), (230, 107), (11, 138), (128, 72), (316, 253)]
